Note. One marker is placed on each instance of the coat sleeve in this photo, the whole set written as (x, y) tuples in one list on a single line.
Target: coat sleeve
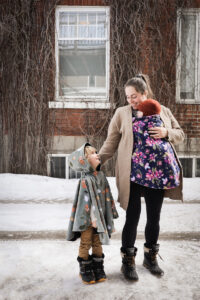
[(175, 133), (113, 138)]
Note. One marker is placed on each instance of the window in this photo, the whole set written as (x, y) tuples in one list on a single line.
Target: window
[(188, 61), (82, 53), (191, 166), (58, 167)]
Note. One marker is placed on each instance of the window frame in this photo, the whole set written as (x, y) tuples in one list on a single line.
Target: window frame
[(67, 167), (101, 102), (180, 12), (58, 155)]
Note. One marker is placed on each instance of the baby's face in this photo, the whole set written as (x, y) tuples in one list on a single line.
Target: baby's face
[(93, 159)]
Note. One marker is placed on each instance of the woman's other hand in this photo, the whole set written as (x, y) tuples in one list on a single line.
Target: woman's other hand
[(158, 132)]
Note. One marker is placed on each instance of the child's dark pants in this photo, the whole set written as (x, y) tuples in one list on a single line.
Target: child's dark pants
[(154, 200)]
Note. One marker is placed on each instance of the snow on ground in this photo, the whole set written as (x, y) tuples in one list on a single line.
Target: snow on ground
[(34, 217), (35, 188), (48, 270)]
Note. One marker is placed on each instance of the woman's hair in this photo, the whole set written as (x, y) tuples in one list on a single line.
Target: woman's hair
[(89, 150), (141, 83)]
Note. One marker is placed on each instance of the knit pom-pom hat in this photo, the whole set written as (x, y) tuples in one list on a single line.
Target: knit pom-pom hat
[(149, 107)]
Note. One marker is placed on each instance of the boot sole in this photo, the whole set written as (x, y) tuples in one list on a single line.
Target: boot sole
[(155, 274), (101, 280)]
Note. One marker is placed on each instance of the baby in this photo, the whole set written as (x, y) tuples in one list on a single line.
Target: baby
[(154, 164)]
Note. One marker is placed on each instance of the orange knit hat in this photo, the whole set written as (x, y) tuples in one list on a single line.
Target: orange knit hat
[(149, 107)]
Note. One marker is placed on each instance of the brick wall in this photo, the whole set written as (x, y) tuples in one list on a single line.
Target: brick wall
[(77, 122), (72, 122), (188, 116)]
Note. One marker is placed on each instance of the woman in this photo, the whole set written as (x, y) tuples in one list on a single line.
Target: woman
[(120, 138)]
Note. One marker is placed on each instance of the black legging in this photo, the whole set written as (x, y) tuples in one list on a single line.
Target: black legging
[(154, 200)]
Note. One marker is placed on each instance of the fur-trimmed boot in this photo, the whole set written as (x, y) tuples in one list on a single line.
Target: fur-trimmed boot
[(98, 268), (150, 261), (86, 271), (128, 263)]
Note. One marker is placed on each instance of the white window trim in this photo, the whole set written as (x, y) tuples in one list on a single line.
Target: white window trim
[(99, 102), (193, 157), (189, 11)]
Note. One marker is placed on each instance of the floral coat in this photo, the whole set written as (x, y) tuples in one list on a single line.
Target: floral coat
[(93, 204)]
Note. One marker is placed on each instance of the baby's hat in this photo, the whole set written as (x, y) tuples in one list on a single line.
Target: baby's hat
[(149, 107)]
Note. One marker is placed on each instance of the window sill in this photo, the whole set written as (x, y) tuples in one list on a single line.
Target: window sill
[(80, 104), (187, 101)]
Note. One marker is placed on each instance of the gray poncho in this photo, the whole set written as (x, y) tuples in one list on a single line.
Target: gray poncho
[(93, 204)]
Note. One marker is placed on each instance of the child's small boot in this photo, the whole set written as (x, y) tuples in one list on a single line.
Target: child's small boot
[(98, 268), (128, 263), (150, 261), (86, 271)]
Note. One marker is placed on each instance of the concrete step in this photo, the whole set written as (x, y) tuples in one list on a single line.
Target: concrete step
[(61, 235)]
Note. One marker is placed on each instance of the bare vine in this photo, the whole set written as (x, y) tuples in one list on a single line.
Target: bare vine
[(27, 70)]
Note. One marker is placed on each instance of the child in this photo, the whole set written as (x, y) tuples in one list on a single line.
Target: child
[(153, 161), (92, 213)]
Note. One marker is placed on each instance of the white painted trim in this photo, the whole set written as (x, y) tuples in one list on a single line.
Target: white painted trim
[(196, 12), (66, 8), (80, 104), (81, 8)]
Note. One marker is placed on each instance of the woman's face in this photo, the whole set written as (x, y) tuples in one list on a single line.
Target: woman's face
[(133, 97)]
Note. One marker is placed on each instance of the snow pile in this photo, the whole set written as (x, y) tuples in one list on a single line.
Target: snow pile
[(35, 188)]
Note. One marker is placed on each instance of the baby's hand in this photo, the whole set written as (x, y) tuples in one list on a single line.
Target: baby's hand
[(139, 114)]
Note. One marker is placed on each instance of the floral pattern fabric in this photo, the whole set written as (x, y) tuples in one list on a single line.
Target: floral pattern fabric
[(153, 161)]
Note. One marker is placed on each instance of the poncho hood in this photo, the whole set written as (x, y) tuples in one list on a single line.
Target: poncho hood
[(78, 161)]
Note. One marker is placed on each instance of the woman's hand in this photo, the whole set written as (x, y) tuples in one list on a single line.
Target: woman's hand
[(158, 132)]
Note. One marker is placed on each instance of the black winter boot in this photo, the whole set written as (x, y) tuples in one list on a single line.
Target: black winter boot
[(150, 261), (98, 268), (128, 263), (86, 272)]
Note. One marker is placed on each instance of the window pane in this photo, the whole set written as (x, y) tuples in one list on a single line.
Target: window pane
[(101, 18), (188, 56), (92, 18), (64, 18), (187, 166), (58, 167), (197, 171), (68, 31), (82, 68)]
